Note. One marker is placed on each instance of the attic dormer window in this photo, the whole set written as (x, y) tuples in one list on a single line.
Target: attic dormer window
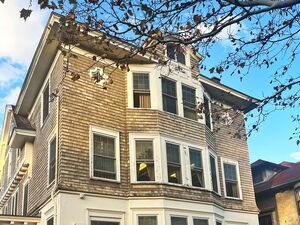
[(176, 53)]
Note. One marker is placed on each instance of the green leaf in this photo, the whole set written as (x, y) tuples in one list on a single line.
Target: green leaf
[(25, 13)]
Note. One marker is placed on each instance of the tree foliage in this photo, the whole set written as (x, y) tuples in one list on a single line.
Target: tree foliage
[(263, 33)]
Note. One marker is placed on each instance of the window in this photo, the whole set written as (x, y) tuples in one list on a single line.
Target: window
[(231, 181), (141, 90), (196, 168), (144, 161), (213, 171), (104, 223), (14, 204), (52, 160), (25, 199), (265, 220), (298, 199), (46, 102), (50, 221), (218, 223), (169, 95), (189, 102), (147, 220), (207, 112), (200, 222), (176, 53), (173, 162), (178, 221), (104, 157)]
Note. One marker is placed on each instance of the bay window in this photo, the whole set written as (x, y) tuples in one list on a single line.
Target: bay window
[(231, 180), (144, 160), (141, 90), (200, 221), (178, 221), (104, 157), (173, 163), (147, 220), (169, 95), (196, 167), (189, 102)]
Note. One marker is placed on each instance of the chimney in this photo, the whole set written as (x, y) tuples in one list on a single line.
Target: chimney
[(216, 80)]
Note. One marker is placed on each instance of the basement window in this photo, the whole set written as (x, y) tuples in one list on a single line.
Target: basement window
[(144, 160)]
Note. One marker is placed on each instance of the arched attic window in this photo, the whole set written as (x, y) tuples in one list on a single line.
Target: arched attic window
[(176, 53)]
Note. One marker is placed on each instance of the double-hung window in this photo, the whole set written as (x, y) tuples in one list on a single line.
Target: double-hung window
[(144, 160), (196, 167), (213, 172), (231, 180), (104, 157), (141, 90), (200, 221), (176, 53), (179, 220), (52, 160), (207, 112), (169, 95), (46, 95), (147, 220), (189, 102), (173, 163)]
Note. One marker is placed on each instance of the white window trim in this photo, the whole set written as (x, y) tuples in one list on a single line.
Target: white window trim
[(47, 82), (24, 184), (236, 164), (200, 218), (51, 137), (152, 214), (187, 217), (210, 152), (210, 111), (154, 137), (109, 133), (179, 110), (105, 215), (13, 202)]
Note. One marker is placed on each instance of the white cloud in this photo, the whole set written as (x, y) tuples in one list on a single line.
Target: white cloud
[(10, 74), (19, 38), (10, 98), (295, 155)]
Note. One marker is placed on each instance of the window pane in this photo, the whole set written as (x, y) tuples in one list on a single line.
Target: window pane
[(231, 189), (171, 51), (50, 221), (173, 160), (218, 223), (147, 220), (144, 150), (195, 159), (25, 199), (178, 221), (52, 160), (169, 104), (168, 87), (104, 164), (174, 174), (104, 146), (46, 102), (181, 57), (200, 222), (230, 172), (104, 223), (173, 154), (207, 112), (145, 171), (142, 100), (140, 81), (213, 171)]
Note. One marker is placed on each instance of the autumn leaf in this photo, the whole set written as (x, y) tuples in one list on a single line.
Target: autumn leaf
[(25, 13)]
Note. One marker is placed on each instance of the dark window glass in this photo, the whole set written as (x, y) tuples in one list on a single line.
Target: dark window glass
[(189, 102), (176, 53), (46, 102), (52, 160), (104, 223), (196, 168), (174, 164), (25, 199), (104, 157), (171, 51), (169, 95), (213, 171), (147, 220), (231, 180), (207, 112), (178, 221), (181, 57), (144, 161), (218, 223), (141, 90), (50, 221), (265, 220), (200, 222)]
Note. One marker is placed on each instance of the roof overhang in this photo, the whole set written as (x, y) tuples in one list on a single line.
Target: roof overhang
[(19, 137), (19, 220), (228, 95)]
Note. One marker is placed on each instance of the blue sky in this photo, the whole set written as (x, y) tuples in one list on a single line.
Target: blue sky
[(20, 39)]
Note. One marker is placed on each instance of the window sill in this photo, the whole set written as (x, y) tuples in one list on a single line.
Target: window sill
[(233, 198), (104, 179)]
